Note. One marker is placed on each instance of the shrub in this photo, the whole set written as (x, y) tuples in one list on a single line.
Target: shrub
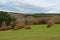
[(20, 23), (4, 26), (50, 23), (29, 20)]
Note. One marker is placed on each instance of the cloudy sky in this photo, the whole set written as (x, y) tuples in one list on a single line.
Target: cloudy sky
[(30, 6)]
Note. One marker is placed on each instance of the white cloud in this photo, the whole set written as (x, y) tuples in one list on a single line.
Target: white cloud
[(3, 2), (45, 4), (53, 10), (38, 3), (6, 10), (41, 3)]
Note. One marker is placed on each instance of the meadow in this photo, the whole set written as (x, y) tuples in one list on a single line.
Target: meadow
[(38, 32)]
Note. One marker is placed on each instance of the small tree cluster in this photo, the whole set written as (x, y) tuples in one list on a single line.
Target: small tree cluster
[(5, 17)]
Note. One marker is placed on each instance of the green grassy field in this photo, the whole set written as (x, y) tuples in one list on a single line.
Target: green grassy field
[(38, 32)]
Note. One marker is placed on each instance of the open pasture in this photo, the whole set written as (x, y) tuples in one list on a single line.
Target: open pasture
[(38, 32)]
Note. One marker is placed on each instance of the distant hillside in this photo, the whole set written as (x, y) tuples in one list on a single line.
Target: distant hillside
[(42, 15), (22, 15)]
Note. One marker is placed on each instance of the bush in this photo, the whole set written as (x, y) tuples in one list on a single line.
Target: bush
[(50, 23), (29, 20)]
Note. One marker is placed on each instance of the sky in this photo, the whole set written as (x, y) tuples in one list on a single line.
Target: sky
[(30, 6)]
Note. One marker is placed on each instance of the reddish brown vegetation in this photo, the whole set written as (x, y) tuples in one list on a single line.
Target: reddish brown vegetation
[(19, 26), (21, 23), (50, 23), (3, 27)]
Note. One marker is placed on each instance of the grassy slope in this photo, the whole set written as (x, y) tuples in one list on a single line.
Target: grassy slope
[(38, 32)]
